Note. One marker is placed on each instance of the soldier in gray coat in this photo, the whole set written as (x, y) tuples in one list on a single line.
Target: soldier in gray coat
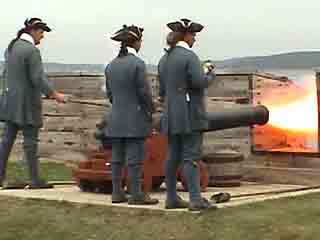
[(131, 115), (182, 89), (26, 82)]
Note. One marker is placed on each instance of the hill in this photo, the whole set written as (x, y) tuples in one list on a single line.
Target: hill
[(292, 60)]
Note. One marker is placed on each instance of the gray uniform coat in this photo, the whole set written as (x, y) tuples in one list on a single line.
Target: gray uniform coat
[(131, 97), (26, 83), (182, 84)]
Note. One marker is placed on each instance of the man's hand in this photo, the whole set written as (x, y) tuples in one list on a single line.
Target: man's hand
[(211, 67), (59, 97), (208, 66)]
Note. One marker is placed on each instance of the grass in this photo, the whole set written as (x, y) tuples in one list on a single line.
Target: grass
[(285, 219), (17, 172)]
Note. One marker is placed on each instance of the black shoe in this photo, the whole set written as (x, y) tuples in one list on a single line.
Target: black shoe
[(220, 197), (143, 199), (40, 185), (178, 203), (5, 185), (2, 183), (203, 204), (119, 197)]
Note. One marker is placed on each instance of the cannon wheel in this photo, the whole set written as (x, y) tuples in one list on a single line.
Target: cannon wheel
[(86, 185), (204, 177)]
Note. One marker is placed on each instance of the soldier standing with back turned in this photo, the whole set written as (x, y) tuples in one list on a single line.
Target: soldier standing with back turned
[(182, 88), (131, 115)]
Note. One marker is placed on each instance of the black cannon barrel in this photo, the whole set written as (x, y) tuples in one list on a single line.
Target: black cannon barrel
[(243, 117)]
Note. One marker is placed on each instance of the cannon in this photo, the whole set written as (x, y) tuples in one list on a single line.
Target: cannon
[(246, 116), (226, 119), (94, 174)]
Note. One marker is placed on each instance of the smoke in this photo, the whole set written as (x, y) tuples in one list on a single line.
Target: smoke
[(293, 119)]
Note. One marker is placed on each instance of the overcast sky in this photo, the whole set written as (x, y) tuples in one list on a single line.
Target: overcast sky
[(233, 28)]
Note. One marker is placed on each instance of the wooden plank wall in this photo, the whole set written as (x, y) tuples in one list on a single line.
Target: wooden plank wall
[(68, 129), (229, 91)]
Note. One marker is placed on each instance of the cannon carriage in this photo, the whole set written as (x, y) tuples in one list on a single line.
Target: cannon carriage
[(94, 174)]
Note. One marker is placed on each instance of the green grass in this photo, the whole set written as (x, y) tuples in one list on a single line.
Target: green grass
[(285, 219), (17, 172)]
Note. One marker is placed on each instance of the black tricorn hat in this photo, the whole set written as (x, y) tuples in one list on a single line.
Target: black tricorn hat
[(128, 33), (185, 25), (37, 23)]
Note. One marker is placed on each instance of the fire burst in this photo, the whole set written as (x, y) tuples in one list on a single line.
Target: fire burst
[(300, 115), (293, 120)]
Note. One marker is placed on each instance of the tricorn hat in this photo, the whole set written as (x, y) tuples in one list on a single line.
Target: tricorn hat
[(37, 23), (185, 25), (125, 33)]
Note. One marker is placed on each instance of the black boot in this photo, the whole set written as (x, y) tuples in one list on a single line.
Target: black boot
[(40, 184), (202, 204), (119, 197), (30, 154), (178, 203), (118, 194), (142, 199)]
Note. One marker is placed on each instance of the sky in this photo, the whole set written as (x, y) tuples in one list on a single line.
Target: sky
[(233, 28)]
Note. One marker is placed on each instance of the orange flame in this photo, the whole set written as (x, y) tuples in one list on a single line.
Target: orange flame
[(300, 115)]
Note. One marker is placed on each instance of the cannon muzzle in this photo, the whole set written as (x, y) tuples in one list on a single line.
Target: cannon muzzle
[(243, 117)]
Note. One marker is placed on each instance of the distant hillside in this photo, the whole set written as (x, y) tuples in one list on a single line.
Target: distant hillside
[(83, 68), (293, 60), (60, 67)]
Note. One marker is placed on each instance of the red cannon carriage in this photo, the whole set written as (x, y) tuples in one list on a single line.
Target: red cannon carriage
[(94, 174)]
